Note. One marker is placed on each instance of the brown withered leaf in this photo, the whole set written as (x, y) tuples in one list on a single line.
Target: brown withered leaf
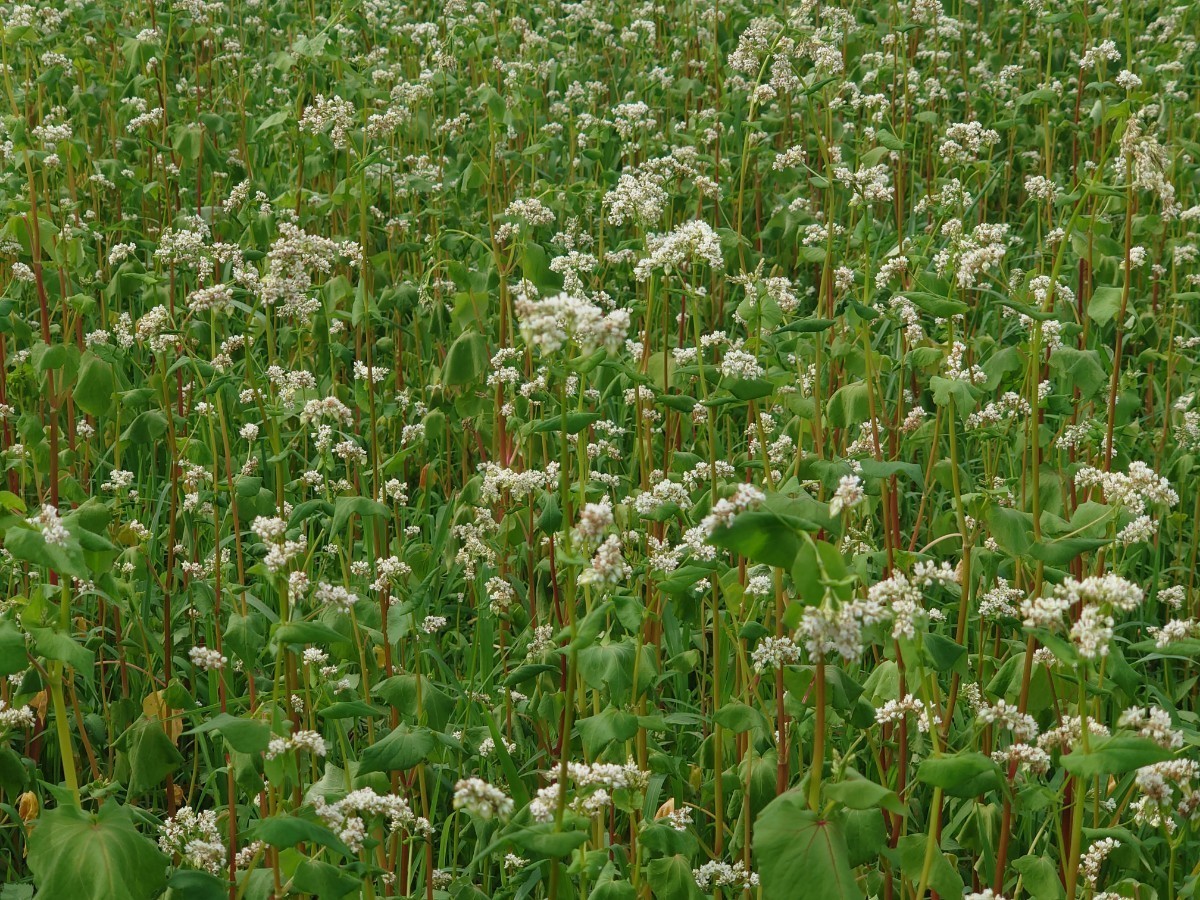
[(40, 702), (155, 707), (28, 806)]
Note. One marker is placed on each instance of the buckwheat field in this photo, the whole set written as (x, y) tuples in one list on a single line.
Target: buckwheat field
[(609, 450)]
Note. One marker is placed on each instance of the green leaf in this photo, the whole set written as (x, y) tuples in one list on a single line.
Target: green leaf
[(738, 717), (272, 121), (527, 672), (188, 140), (608, 665), (13, 774), (1114, 756), (946, 653), (670, 878), (535, 265), (613, 890), (849, 405), (288, 831), (13, 657), (952, 390), (941, 307), (543, 840), (866, 835), (761, 536), (189, 884), (746, 389), (570, 423), (807, 326), (323, 880), (1010, 528), (146, 428), (1104, 305), (94, 856), (29, 545), (62, 647), (961, 775), (466, 359), (1079, 369), (308, 633), (610, 725), (351, 709), (857, 792), (1040, 877), (873, 469), (943, 877), (402, 749), (795, 846), (243, 735), (95, 385), (1062, 551), (150, 754), (345, 507)]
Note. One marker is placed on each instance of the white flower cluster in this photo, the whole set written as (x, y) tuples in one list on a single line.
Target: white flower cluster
[(302, 740), (54, 532), (348, 816), (16, 716), (1134, 490), (194, 837), (550, 323), (482, 799), (716, 874), (207, 659), (593, 783)]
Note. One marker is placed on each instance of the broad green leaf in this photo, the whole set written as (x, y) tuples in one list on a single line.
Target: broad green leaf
[(866, 835), (857, 792), (943, 877), (149, 753), (1079, 369), (243, 735), (1104, 305), (952, 390), (324, 880), (963, 774), (28, 544), (670, 878), (738, 717), (351, 709), (287, 831), (13, 657), (402, 749), (466, 359), (543, 840), (191, 884), (849, 405), (345, 507), (1114, 756), (613, 890), (94, 856), (94, 386), (1010, 528), (62, 647), (1039, 875), (610, 725), (760, 536), (794, 845), (941, 307)]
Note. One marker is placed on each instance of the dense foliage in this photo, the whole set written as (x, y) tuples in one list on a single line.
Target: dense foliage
[(599, 449)]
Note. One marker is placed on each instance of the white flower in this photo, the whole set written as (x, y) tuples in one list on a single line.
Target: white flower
[(482, 799), (849, 493)]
